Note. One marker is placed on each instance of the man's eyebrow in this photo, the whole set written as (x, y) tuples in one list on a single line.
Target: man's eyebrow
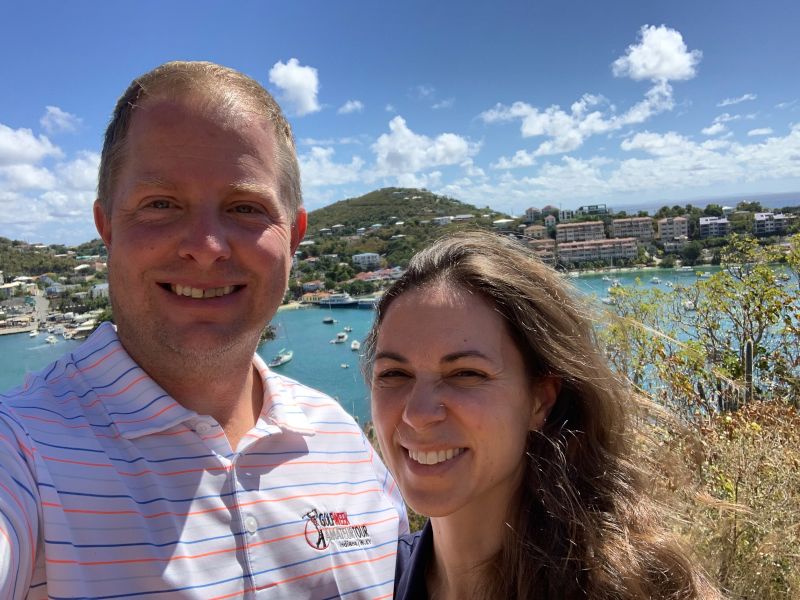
[(252, 187), (147, 180)]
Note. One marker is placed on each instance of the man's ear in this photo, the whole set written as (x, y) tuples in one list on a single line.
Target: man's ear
[(299, 228), (103, 223), (544, 392)]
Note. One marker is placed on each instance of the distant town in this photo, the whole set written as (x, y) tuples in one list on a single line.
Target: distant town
[(64, 291)]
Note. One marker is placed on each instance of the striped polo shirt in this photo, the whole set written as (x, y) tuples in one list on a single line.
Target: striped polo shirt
[(111, 489)]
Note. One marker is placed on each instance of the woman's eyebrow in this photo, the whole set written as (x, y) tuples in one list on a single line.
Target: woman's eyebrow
[(390, 356), (454, 356)]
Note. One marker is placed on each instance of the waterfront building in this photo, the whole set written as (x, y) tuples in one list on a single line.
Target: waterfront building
[(545, 249), (566, 214), (549, 221), (768, 223), (462, 218), (640, 228), (592, 209), (532, 214), (367, 260), (99, 291), (442, 220), (713, 227), (580, 232), (536, 232), (673, 227), (601, 249), (674, 244)]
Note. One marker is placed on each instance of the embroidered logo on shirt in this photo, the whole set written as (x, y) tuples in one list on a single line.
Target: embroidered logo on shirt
[(326, 528)]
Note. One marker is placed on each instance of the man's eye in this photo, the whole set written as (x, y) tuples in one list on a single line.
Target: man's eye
[(160, 203), (246, 209)]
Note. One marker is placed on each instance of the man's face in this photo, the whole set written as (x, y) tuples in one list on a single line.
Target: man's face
[(199, 241)]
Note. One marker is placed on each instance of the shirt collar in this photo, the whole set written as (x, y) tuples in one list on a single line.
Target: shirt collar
[(138, 406)]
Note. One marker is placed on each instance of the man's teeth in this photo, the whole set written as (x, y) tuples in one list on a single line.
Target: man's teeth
[(434, 458), (192, 292)]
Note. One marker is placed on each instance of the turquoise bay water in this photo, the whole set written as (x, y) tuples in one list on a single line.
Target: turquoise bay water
[(316, 361)]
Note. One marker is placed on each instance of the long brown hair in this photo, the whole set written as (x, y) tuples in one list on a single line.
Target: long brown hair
[(582, 524)]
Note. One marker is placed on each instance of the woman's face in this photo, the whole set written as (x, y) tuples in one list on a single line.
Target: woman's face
[(452, 403)]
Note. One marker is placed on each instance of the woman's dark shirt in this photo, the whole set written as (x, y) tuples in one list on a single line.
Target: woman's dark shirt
[(414, 553)]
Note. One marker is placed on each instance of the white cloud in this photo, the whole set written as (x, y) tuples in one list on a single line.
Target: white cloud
[(785, 105), (351, 106), (761, 131), (657, 144), (343, 141), (81, 172), (56, 120), (402, 151), (422, 180), (567, 131), (299, 85), (742, 98), (444, 104), (318, 169), (423, 91), (390, 108), (521, 158), (660, 55), (21, 146), (714, 129), (472, 170), (26, 177)]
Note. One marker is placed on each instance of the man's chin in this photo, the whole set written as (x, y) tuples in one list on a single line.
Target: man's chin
[(193, 347)]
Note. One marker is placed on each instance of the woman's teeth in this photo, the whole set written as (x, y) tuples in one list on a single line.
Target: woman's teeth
[(433, 458)]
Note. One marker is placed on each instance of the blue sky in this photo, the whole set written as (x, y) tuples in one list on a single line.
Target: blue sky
[(505, 104)]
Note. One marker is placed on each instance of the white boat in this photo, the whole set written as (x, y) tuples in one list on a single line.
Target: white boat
[(338, 300), (51, 339), (34, 333), (688, 305), (344, 366), (355, 345), (329, 320), (281, 358), (606, 278), (347, 328), (341, 338), (655, 280), (611, 301)]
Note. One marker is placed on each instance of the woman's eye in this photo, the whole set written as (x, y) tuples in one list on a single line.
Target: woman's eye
[(468, 374), (391, 373)]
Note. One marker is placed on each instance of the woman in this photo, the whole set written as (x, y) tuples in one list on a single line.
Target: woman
[(501, 421)]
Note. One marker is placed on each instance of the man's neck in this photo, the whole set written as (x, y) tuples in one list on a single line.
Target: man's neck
[(230, 389)]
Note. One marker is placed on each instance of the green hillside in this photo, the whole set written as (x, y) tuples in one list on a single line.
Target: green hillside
[(388, 205)]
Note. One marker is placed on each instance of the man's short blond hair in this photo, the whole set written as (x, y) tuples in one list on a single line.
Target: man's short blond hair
[(224, 87)]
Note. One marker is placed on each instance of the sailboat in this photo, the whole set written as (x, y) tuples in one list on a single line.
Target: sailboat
[(281, 358)]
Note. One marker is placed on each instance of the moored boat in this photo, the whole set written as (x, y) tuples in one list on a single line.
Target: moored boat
[(281, 358), (355, 345)]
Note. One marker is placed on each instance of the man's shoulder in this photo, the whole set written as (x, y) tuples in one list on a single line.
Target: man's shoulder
[(314, 403)]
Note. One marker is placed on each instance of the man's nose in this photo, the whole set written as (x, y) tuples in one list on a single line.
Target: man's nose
[(204, 239), (425, 404)]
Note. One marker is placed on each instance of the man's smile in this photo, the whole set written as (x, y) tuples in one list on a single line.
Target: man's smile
[(198, 293)]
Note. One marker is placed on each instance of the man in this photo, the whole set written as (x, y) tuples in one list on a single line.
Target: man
[(163, 457)]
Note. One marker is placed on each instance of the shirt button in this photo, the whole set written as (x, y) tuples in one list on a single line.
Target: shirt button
[(202, 428), (250, 524)]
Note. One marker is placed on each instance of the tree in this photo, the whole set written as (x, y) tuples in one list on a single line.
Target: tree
[(691, 252)]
